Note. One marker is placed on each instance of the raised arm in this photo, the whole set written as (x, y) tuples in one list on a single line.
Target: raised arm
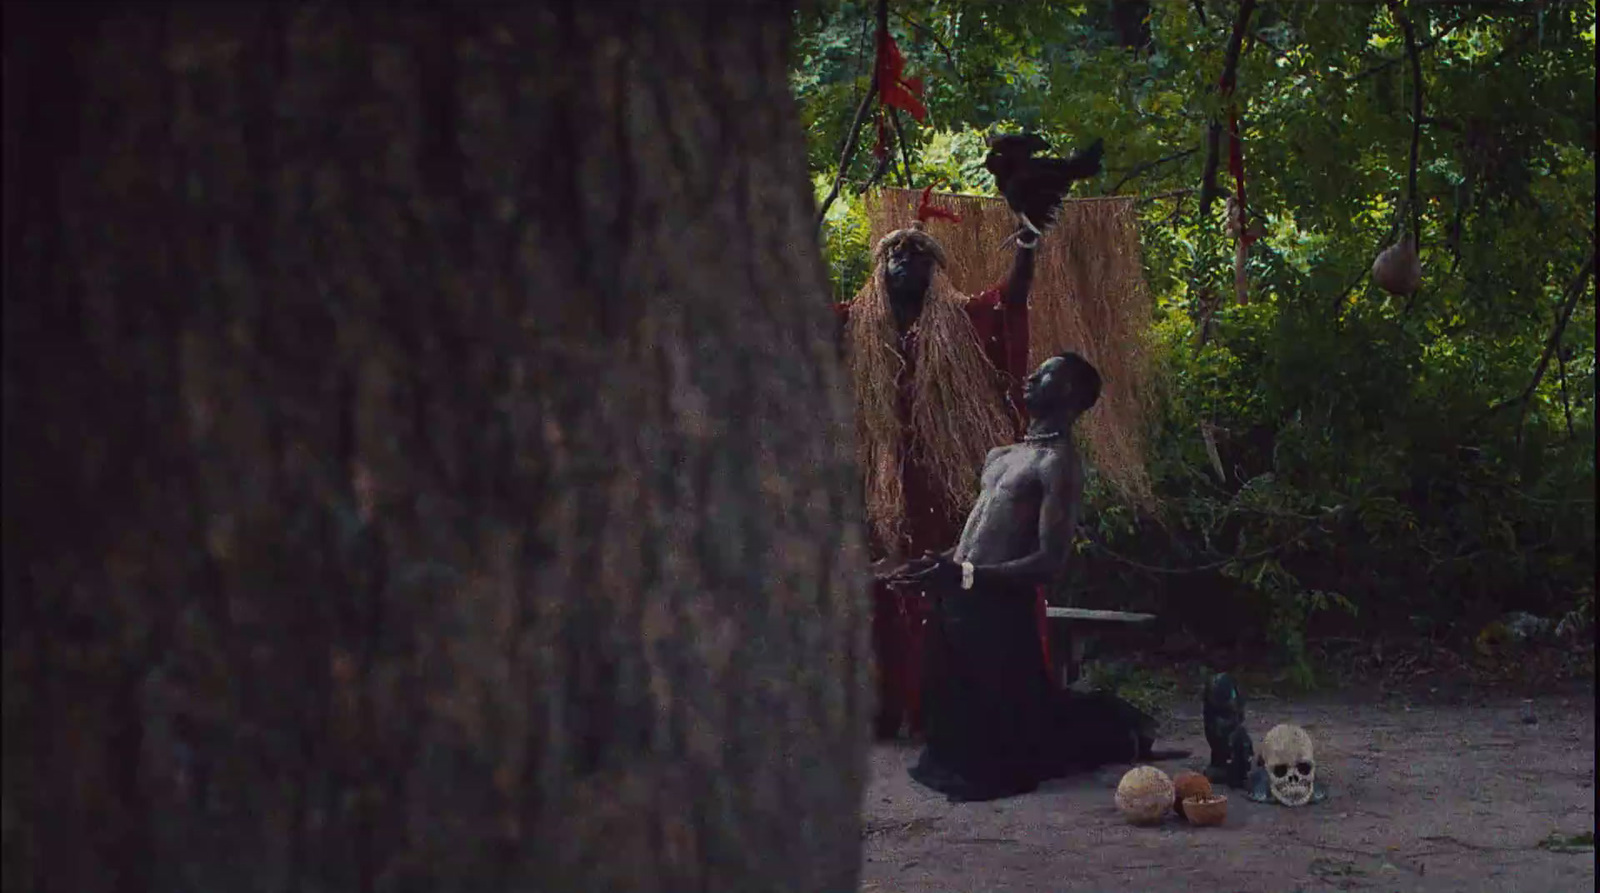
[(1020, 282)]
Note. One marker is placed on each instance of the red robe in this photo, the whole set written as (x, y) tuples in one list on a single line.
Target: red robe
[(899, 618)]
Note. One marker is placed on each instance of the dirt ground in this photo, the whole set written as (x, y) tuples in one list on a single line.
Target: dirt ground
[(1446, 797)]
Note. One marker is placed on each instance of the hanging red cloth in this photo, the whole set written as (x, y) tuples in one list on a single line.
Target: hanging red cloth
[(1225, 86), (895, 90), (1247, 234)]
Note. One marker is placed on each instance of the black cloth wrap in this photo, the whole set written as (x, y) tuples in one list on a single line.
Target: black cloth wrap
[(996, 725)]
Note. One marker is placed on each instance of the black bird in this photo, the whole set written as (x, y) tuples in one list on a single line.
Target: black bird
[(1034, 187)]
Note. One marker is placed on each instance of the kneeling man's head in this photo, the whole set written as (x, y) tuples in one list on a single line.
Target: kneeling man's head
[(1066, 383)]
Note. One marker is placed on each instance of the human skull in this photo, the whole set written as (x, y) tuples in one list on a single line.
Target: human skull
[(1291, 768)]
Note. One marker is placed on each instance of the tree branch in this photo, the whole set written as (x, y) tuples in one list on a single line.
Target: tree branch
[(1574, 293), (1416, 118), (1149, 165), (1298, 539), (1208, 174), (1428, 44), (1171, 193), (1177, 208), (847, 154), (884, 164), (905, 151), (948, 55), (1267, 42), (849, 151), (1561, 373), (1515, 43), (1230, 66)]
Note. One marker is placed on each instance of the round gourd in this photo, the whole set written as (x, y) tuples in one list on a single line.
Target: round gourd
[(1398, 269), (1144, 795)]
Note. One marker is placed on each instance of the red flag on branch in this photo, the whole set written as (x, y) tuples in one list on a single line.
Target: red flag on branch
[(894, 88)]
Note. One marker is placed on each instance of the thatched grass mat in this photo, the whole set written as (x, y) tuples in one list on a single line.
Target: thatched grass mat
[(1089, 296)]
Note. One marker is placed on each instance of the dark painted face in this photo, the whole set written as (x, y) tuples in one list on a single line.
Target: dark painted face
[(908, 269), (1047, 388)]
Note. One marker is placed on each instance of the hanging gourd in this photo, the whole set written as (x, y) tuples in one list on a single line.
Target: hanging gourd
[(1398, 269)]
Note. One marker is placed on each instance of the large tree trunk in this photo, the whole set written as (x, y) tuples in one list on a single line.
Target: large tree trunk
[(426, 466)]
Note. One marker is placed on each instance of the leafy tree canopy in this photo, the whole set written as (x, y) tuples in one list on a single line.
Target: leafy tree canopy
[(1379, 454)]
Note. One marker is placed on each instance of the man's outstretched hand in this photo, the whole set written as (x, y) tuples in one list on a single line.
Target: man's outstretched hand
[(914, 566), (932, 571)]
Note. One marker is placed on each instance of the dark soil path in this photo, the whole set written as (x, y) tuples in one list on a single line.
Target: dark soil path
[(1438, 797)]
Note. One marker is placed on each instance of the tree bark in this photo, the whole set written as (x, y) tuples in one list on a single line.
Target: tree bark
[(427, 460)]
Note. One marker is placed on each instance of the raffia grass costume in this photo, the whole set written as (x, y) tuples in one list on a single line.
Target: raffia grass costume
[(959, 402), (930, 404), (1089, 295)]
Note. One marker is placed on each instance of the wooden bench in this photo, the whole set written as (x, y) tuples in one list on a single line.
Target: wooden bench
[(1070, 631)]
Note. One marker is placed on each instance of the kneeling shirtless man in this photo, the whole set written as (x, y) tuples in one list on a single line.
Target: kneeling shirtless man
[(996, 726)]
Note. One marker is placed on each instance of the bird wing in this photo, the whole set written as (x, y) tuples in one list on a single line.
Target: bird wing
[(1081, 166), (1037, 190)]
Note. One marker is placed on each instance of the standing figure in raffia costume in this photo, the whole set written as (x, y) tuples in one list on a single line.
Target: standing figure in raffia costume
[(938, 379)]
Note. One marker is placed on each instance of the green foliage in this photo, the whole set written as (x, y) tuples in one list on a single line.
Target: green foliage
[(1374, 469), (846, 244)]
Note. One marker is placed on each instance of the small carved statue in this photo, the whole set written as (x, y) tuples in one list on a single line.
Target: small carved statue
[(1231, 749)]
